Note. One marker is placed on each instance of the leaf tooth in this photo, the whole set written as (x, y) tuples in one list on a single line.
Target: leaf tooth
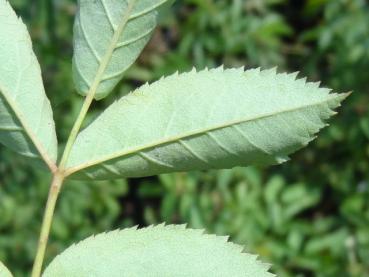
[(252, 256), (301, 81), (266, 266), (241, 68), (280, 159), (239, 248), (283, 75), (294, 75), (218, 69), (138, 92), (183, 226), (199, 232), (252, 73), (165, 77), (146, 84), (150, 227), (307, 140), (119, 231), (325, 91), (269, 72), (210, 236), (332, 113), (311, 85), (315, 84), (313, 138), (236, 70), (346, 94), (173, 75), (274, 70), (339, 97), (225, 239)]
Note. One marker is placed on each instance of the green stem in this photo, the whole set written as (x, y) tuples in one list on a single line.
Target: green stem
[(46, 224)]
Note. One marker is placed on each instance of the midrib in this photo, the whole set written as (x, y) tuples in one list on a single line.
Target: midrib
[(112, 46)]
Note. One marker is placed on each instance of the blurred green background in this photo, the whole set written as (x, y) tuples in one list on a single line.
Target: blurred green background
[(308, 217)]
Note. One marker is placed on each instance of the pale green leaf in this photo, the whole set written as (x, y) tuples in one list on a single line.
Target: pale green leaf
[(210, 119), (156, 251), (26, 119), (4, 272), (109, 35)]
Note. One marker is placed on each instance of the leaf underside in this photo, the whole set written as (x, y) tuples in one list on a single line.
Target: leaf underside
[(95, 26), (26, 119), (159, 250), (203, 120), (4, 272)]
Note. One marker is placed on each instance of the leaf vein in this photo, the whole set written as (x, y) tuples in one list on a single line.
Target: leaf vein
[(193, 152), (154, 160), (128, 42), (111, 169), (221, 145), (87, 39), (107, 13), (146, 11), (250, 141), (11, 128)]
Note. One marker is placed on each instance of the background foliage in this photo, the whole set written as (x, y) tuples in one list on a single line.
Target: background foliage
[(309, 217)]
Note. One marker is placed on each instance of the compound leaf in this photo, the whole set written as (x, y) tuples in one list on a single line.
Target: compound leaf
[(4, 272), (108, 37), (156, 251), (202, 120), (26, 119)]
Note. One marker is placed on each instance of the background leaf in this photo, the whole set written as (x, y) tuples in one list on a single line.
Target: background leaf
[(211, 119), (26, 120), (4, 272), (99, 58), (156, 251)]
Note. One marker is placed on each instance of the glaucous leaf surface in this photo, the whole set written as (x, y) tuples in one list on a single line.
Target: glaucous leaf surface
[(109, 35), (156, 251), (26, 119), (202, 120), (4, 272)]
